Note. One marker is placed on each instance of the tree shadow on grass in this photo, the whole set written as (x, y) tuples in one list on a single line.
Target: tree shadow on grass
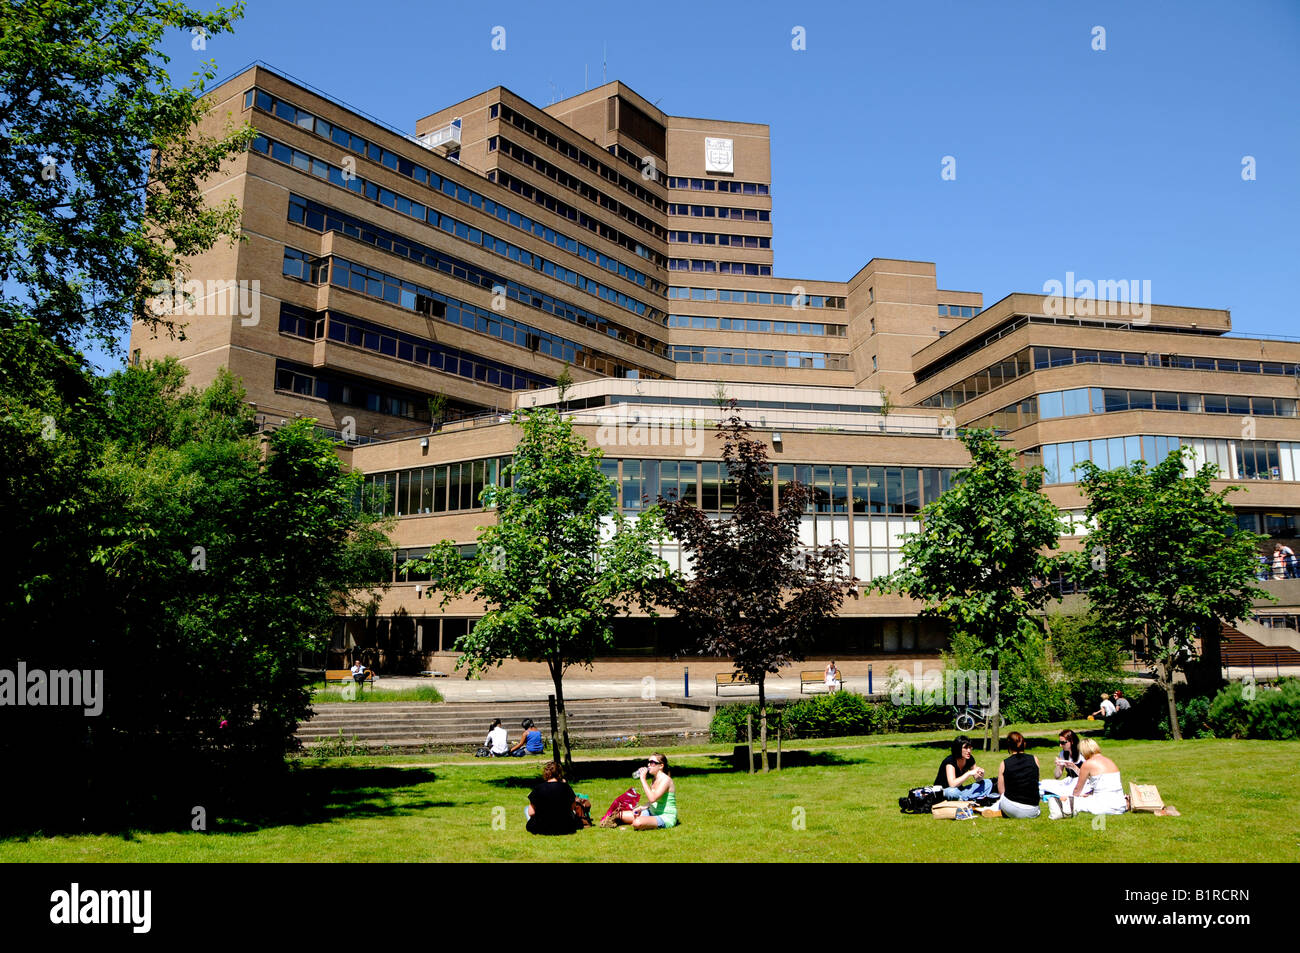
[(319, 794), (620, 769)]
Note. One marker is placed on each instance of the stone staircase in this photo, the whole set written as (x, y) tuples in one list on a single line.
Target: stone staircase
[(420, 726)]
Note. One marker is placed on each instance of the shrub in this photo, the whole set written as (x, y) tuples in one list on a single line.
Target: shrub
[(827, 716), (1273, 714), (1091, 663)]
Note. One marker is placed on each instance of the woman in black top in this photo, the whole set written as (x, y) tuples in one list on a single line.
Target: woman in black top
[(553, 807), (1018, 781)]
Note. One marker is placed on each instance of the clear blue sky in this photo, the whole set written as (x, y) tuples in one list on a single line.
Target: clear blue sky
[(1122, 163)]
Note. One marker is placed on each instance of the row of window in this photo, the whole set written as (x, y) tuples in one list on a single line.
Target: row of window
[(702, 323), (720, 267), (342, 389), (431, 216), (535, 195), (566, 180), (1040, 358), (721, 211), (339, 136), (1104, 400), (322, 218), (413, 297), (406, 347), (1282, 525), (632, 186), (1235, 459), (736, 296), (718, 185), (958, 311), (694, 354), (896, 490), (439, 489), (714, 238)]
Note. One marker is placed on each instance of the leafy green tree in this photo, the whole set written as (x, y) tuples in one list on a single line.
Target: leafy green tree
[(1165, 558), (101, 167), (982, 558), (754, 593), (558, 566)]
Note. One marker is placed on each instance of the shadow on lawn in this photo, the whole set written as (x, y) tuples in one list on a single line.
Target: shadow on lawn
[(620, 769), (323, 793)]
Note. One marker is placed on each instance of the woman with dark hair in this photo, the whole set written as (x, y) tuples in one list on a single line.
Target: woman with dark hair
[(959, 776), (552, 806), (530, 742), (498, 742), (661, 797), (1066, 770), (1018, 781)]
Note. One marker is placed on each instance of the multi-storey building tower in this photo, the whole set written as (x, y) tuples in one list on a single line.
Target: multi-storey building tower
[(458, 271)]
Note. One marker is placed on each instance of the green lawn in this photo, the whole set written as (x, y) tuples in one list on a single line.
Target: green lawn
[(1233, 796), (322, 692)]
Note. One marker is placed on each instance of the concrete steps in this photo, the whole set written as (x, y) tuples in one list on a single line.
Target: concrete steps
[(420, 725)]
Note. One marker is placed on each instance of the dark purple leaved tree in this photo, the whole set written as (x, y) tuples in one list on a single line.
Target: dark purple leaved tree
[(755, 594)]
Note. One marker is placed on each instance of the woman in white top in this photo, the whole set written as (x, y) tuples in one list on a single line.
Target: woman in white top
[(832, 677), (1065, 773), (498, 742), (1099, 789)]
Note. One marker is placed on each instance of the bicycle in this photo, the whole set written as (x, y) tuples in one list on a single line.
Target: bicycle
[(971, 717)]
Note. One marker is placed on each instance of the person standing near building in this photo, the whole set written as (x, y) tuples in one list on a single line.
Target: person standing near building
[(832, 675), (1283, 561)]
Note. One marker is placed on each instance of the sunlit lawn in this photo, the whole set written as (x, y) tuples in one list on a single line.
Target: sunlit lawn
[(838, 801)]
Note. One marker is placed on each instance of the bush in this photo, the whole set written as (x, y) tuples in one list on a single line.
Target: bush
[(827, 716), (1028, 689), (1091, 664), (1273, 714)]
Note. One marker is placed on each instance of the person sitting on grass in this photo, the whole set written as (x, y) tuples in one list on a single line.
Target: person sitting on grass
[(1099, 789), (530, 742), (661, 798), (959, 776), (552, 806), (1018, 780), (1065, 773), (497, 742)]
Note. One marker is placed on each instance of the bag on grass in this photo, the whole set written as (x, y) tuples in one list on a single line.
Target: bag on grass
[(624, 802), (921, 800)]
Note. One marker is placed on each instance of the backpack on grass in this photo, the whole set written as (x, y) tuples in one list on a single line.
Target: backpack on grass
[(921, 800)]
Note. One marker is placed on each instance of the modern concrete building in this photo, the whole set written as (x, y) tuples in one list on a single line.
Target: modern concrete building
[(384, 278)]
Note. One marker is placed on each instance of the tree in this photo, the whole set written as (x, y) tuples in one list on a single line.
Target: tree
[(981, 558), (754, 595), (1165, 558), (191, 562), (559, 564), (101, 168)]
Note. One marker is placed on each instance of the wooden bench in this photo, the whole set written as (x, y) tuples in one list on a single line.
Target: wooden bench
[(729, 678), (345, 675), (816, 678)]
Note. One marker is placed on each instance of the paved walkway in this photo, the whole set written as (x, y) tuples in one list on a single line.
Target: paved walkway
[(460, 689)]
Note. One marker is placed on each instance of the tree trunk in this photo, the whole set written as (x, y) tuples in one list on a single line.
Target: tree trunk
[(557, 677), (762, 718), (1166, 679)]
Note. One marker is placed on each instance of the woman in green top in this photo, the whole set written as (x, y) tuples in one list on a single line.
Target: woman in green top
[(660, 797)]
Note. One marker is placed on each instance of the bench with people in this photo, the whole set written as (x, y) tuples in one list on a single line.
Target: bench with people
[(1084, 780)]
